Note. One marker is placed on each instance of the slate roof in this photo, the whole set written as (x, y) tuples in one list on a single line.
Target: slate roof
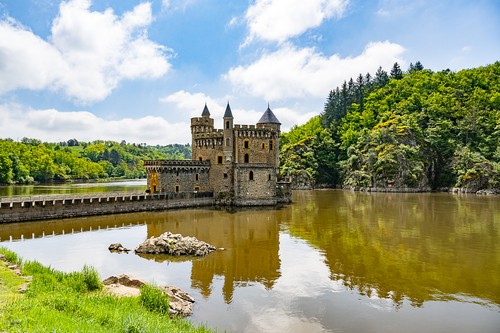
[(268, 117), (228, 113), (205, 111)]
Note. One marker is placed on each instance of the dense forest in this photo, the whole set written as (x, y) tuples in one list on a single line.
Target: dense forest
[(413, 129), (33, 161)]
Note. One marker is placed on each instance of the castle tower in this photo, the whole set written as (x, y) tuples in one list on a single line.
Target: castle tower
[(269, 121), (200, 127), (228, 135)]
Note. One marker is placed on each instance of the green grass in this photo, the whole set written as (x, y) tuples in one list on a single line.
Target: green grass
[(74, 302)]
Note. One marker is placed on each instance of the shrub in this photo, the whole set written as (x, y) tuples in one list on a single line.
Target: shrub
[(154, 299), (91, 278)]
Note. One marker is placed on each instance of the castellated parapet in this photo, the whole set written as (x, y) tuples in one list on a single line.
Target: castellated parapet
[(238, 163)]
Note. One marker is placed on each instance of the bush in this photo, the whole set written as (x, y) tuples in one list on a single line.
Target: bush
[(91, 278), (154, 299)]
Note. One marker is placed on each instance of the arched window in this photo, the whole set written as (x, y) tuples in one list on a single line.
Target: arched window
[(200, 158), (250, 175), (228, 142), (263, 146), (227, 124), (247, 158), (177, 188), (270, 144), (269, 177), (246, 144), (197, 177)]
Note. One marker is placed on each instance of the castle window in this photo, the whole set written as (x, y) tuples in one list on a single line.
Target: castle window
[(247, 158), (227, 124), (246, 144), (200, 158), (270, 144), (219, 159), (250, 175), (197, 177), (228, 142), (225, 176), (269, 177), (263, 146), (177, 188), (196, 188)]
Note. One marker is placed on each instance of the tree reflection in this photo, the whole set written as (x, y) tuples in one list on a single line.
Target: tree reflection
[(395, 246)]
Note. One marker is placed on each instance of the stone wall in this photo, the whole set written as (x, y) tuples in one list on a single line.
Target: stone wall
[(255, 184), (45, 208)]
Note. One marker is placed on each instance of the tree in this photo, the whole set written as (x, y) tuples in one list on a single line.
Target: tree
[(396, 72), (381, 78)]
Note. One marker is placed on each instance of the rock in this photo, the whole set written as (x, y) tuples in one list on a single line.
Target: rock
[(16, 269), (124, 280), (180, 302), (176, 245), (117, 247)]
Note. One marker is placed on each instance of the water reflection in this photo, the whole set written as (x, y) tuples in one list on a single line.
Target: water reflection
[(250, 239), (423, 247), (333, 261)]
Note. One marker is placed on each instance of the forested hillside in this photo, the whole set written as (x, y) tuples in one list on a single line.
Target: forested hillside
[(33, 161), (413, 129)]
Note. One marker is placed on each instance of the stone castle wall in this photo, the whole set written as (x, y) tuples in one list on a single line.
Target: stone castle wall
[(100, 204)]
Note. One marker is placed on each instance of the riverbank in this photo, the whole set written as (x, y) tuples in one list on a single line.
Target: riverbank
[(74, 302), (454, 190)]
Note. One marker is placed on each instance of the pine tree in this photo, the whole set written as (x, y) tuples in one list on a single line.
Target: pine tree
[(381, 78), (396, 72)]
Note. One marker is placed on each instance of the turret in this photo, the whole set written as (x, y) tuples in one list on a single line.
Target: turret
[(228, 134), (199, 126), (269, 120)]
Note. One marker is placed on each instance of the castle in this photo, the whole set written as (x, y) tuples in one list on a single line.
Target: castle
[(239, 164)]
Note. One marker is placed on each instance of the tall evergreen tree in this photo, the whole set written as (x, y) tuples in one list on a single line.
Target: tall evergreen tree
[(396, 72), (381, 78)]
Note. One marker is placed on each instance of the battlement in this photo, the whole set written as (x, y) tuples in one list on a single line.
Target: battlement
[(174, 163)]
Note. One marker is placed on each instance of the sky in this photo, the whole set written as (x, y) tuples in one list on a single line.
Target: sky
[(138, 70)]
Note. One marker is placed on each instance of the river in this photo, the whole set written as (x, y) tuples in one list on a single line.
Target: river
[(333, 261)]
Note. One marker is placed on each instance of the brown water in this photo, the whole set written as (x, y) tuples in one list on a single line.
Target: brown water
[(128, 185), (333, 261)]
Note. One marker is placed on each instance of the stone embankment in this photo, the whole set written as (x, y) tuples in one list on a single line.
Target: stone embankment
[(45, 207)]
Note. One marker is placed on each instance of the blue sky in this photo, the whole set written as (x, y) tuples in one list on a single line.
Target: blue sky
[(139, 70)]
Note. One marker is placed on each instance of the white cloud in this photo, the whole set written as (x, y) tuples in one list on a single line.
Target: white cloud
[(174, 5), (292, 72), (52, 125), (87, 54), (278, 20)]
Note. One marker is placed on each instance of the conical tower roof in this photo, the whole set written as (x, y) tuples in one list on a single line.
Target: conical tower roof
[(228, 113), (268, 117), (205, 112)]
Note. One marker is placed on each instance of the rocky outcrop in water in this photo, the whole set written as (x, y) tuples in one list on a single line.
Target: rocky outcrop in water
[(117, 247), (180, 302), (176, 245)]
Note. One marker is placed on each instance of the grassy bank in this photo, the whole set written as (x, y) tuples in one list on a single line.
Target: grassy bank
[(74, 302)]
